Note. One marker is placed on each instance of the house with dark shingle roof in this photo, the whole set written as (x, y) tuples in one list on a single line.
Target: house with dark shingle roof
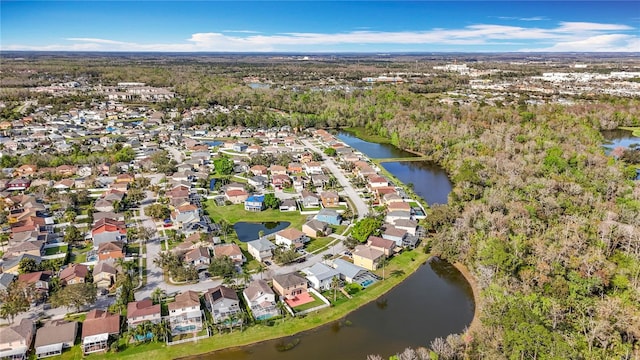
[(289, 285), (223, 303)]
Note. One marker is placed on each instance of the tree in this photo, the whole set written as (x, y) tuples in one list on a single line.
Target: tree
[(13, 300), (364, 228), (271, 201), (135, 195), (75, 295), (145, 234), (222, 266), (157, 211), (330, 151), (335, 285), (223, 166), (158, 295), (28, 265)]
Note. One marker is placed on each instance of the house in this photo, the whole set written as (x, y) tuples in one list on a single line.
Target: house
[(104, 274), (74, 274), (315, 228), (16, 340), (258, 170), (26, 170), (185, 314), (258, 181), (310, 200), (254, 203), (289, 285), (295, 168), (288, 205), (261, 249), (97, 327), (141, 311), (291, 236), (394, 234), (55, 336), (110, 250), (410, 226), (66, 170), (5, 280), (26, 247), (329, 216), (367, 257), (108, 230), (64, 184), (320, 276), (377, 181), (18, 184), (236, 196), (384, 245), (393, 216), (103, 205), (277, 170), (329, 199), (12, 265), (124, 178), (198, 257), (280, 181), (39, 283), (398, 206), (232, 251), (319, 180), (313, 167), (224, 304), (239, 147), (261, 300), (352, 273)]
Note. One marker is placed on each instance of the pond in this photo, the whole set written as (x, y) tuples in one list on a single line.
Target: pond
[(433, 302), (619, 137), (247, 231)]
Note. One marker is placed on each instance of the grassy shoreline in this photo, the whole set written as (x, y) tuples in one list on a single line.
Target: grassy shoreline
[(409, 262), (635, 130)]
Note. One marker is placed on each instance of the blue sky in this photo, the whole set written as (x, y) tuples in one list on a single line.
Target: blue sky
[(320, 26)]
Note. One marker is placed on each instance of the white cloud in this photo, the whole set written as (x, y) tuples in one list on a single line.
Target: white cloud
[(567, 36)]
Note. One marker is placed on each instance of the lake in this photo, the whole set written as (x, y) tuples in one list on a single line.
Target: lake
[(247, 231), (429, 180), (433, 302), (373, 150)]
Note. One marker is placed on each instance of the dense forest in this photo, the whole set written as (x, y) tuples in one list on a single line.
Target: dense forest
[(548, 224)]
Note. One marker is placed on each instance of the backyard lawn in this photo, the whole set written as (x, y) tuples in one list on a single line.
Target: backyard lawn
[(55, 250), (236, 213), (319, 243), (316, 302)]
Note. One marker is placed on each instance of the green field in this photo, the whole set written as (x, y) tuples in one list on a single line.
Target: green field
[(634, 129), (235, 213)]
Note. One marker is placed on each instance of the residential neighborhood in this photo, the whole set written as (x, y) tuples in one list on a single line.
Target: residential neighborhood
[(145, 246)]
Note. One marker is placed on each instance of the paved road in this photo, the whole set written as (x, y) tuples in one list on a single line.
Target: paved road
[(360, 205), (175, 153)]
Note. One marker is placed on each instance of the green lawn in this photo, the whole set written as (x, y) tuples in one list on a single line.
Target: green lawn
[(635, 130), (56, 250), (236, 213), (319, 243), (316, 302)]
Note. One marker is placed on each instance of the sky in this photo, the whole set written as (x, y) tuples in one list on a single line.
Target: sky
[(321, 26)]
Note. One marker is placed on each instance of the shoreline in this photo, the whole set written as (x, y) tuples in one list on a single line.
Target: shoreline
[(473, 283)]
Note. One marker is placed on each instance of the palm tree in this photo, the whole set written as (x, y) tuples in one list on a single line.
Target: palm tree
[(335, 285), (282, 309), (158, 295), (261, 269), (383, 262)]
